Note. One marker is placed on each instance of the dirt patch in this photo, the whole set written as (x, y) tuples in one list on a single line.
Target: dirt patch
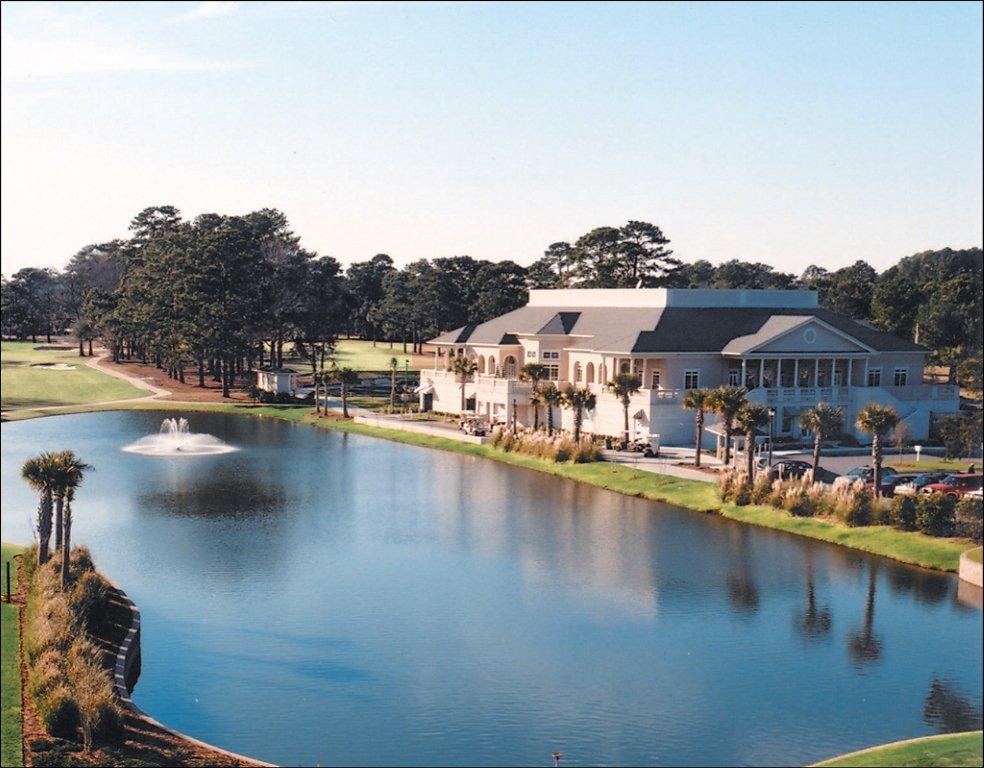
[(188, 392)]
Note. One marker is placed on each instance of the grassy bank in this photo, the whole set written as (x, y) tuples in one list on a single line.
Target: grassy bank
[(11, 725), (26, 386), (363, 356), (957, 749), (912, 548)]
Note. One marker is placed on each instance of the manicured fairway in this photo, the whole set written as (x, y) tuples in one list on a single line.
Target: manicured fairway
[(10, 680), (363, 356), (959, 749), (24, 386)]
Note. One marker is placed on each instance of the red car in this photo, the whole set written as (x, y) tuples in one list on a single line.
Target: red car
[(954, 485)]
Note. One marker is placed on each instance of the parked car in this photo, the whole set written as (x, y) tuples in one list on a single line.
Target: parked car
[(916, 483), (977, 493), (889, 478), (789, 468), (955, 485)]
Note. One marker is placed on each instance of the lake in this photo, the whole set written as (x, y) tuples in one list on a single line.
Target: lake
[(317, 597)]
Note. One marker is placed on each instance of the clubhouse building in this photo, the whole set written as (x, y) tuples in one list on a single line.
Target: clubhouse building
[(781, 345)]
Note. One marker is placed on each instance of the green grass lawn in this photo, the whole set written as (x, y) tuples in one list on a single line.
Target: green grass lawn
[(958, 749), (933, 464), (363, 356), (22, 386), (10, 680)]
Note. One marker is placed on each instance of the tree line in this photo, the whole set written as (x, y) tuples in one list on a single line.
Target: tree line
[(225, 293)]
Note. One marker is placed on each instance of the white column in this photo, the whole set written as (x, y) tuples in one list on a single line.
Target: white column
[(865, 382), (779, 373), (761, 371), (436, 350), (850, 371), (744, 373), (816, 372), (796, 373)]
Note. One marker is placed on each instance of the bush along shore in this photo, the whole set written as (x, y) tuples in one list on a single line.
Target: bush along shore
[(852, 504), (72, 714)]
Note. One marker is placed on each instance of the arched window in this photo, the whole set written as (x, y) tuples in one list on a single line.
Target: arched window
[(481, 363), (577, 373), (509, 367), (492, 370), (589, 376)]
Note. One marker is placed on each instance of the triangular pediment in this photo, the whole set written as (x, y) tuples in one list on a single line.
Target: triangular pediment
[(788, 334)]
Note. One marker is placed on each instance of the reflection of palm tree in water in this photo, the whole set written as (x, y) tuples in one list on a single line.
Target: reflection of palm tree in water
[(948, 711), (814, 621), (865, 645), (742, 591)]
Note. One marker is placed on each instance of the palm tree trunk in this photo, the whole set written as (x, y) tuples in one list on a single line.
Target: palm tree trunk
[(536, 417), (44, 527), (750, 453), (392, 391), (698, 434), (344, 400), (578, 416), (462, 396), (876, 459), (66, 549), (550, 423), (59, 506), (625, 422), (727, 444), (817, 443)]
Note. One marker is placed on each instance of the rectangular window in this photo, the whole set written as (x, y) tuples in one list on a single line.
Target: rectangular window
[(553, 372), (531, 353), (901, 377), (838, 377), (655, 379), (691, 379), (874, 377)]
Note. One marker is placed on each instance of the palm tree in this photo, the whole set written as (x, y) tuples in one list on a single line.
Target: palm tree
[(40, 474), (69, 472), (726, 402), (393, 365), (864, 644), (823, 420), (579, 400), (346, 377), (534, 373), (751, 417), (463, 369), (551, 397), (623, 386), (876, 420), (697, 400)]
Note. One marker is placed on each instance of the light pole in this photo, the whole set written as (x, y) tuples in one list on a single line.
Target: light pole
[(772, 424)]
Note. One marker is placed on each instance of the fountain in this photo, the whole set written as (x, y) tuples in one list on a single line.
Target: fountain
[(175, 438)]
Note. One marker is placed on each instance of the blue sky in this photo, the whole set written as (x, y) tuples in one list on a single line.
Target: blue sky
[(790, 134)]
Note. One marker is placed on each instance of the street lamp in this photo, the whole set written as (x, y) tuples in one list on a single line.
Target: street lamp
[(772, 424)]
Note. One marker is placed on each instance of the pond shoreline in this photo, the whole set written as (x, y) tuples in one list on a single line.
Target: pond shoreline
[(911, 548)]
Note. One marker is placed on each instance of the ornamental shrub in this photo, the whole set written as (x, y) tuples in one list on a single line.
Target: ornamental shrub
[(935, 514), (904, 509), (967, 517)]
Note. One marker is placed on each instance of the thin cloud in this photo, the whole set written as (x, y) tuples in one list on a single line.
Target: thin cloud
[(211, 9), (76, 55)]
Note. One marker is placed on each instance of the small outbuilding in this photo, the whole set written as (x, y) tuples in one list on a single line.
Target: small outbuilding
[(280, 381)]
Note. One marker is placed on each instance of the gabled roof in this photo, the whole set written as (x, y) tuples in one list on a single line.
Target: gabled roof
[(655, 330), (778, 326)]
